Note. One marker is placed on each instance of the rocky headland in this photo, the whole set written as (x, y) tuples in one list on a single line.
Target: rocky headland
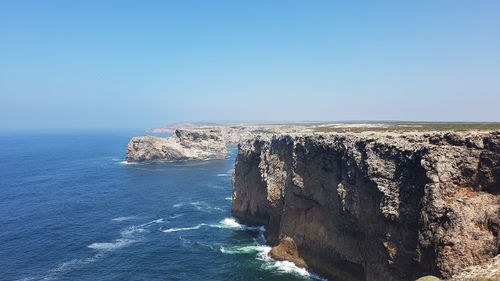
[(362, 202), (198, 143), (184, 144), (376, 205)]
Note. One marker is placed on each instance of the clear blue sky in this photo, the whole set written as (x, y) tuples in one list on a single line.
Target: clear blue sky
[(141, 64)]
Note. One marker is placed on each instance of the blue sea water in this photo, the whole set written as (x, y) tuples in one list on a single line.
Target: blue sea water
[(72, 209)]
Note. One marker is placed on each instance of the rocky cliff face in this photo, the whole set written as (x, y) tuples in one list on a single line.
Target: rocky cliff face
[(184, 144), (376, 206)]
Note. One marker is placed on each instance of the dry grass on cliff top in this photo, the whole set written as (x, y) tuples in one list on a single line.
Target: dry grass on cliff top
[(406, 127)]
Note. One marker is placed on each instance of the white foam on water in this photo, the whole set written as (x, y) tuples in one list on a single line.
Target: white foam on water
[(128, 163), (229, 198), (130, 231), (222, 175), (262, 254), (251, 249), (198, 205), (109, 246), (283, 266), (183, 228), (228, 223), (123, 218), (225, 223), (53, 274), (176, 216), (280, 266), (128, 236), (231, 223)]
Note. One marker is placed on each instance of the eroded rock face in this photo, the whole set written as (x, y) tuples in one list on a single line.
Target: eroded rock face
[(376, 206), (184, 144)]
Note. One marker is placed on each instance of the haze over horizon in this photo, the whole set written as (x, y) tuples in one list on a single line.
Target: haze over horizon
[(131, 64)]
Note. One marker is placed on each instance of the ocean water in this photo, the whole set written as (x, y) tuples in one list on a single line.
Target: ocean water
[(72, 209)]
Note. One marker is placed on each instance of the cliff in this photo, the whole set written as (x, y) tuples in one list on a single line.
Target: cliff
[(197, 143), (184, 144), (376, 205)]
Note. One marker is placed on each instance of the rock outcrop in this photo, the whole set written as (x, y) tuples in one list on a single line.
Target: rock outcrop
[(184, 144), (376, 206)]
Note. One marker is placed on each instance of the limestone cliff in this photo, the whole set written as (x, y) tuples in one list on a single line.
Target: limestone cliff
[(184, 144), (376, 206)]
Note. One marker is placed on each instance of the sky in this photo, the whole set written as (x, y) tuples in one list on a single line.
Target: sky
[(143, 64)]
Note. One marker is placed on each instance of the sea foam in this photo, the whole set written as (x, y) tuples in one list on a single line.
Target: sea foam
[(198, 205), (183, 228), (123, 218), (128, 236), (229, 223), (108, 246), (282, 266)]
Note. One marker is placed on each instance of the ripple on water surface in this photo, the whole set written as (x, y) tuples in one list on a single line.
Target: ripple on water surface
[(101, 218)]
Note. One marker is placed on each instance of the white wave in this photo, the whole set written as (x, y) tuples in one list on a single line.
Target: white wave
[(282, 266), (128, 163), (108, 246), (176, 216), (184, 228), (225, 223), (251, 249), (128, 236), (123, 218), (130, 231), (198, 205), (65, 266), (230, 223), (54, 273), (233, 224), (229, 198), (222, 175), (262, 254)]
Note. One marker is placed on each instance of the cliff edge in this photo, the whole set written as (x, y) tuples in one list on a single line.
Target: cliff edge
[(376, 205)]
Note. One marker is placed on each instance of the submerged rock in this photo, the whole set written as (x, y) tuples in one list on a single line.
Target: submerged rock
[(375, 205)]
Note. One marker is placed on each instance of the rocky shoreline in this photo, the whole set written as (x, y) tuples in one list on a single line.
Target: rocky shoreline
[(376, 206), (361, 203)]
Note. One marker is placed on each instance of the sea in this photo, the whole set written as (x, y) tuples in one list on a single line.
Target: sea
[(72, 208)]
